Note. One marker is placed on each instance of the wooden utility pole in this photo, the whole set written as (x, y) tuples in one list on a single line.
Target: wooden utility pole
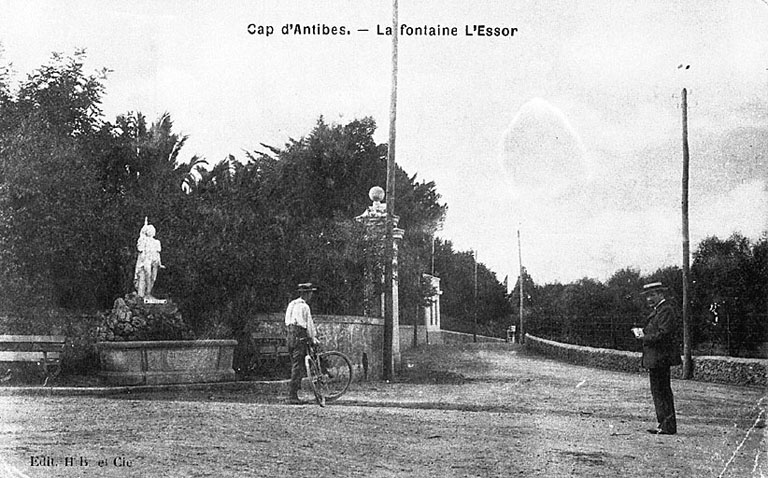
[(520, 258), (474, 333), (389, 246), (687, 360)]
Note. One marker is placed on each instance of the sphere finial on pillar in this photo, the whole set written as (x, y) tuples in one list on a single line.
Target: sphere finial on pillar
[(376, 194), (378, 209)]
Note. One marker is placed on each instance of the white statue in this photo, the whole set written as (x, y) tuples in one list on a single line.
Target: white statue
[(148, 262)]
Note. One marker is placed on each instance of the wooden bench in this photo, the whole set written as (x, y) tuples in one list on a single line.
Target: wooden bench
[(45, 350), (268, 351)]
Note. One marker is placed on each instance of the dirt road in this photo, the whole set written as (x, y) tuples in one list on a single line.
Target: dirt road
[(477, 411)]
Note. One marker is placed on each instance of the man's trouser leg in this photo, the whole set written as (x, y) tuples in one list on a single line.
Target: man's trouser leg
[(297, 348), (663, 401)]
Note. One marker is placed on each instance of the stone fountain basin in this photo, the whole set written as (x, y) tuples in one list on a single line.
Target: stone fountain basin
[(166, 361)]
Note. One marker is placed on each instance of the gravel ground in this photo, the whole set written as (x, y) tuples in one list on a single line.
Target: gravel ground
[(476, 410)]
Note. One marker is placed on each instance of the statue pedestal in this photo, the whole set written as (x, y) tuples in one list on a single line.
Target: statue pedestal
[(132, 318)]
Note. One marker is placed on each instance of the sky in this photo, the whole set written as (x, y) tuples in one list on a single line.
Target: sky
[(568, 131)]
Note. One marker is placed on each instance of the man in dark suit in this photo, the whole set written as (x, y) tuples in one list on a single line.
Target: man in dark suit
[(661, 351)]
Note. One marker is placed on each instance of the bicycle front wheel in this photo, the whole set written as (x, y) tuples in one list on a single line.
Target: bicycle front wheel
[(316, 379), (336, 374)]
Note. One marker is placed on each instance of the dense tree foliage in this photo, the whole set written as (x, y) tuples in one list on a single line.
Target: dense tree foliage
[(730, 296), (50, 200), (311, 191)]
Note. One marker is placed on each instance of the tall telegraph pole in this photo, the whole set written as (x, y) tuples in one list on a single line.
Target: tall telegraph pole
[(687, 361), (389, 332), (520, 258), (474, 333)]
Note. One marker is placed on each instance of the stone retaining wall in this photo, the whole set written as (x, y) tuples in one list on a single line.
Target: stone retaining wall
[(731, 370), (360, 338)]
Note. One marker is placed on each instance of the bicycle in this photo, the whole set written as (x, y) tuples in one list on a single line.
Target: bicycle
[(329, 373)]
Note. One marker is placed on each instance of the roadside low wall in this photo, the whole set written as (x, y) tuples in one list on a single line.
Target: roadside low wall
[(730, 370)]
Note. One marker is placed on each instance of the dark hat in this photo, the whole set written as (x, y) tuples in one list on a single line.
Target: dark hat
[(306, 287), (653, 287)]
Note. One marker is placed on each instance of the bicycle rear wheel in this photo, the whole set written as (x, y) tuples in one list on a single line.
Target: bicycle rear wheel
[(336, 374)]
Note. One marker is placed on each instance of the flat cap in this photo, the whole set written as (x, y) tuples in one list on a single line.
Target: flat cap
[(653, 287)]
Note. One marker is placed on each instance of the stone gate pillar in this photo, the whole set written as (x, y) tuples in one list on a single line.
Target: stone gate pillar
[(375, 221)]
